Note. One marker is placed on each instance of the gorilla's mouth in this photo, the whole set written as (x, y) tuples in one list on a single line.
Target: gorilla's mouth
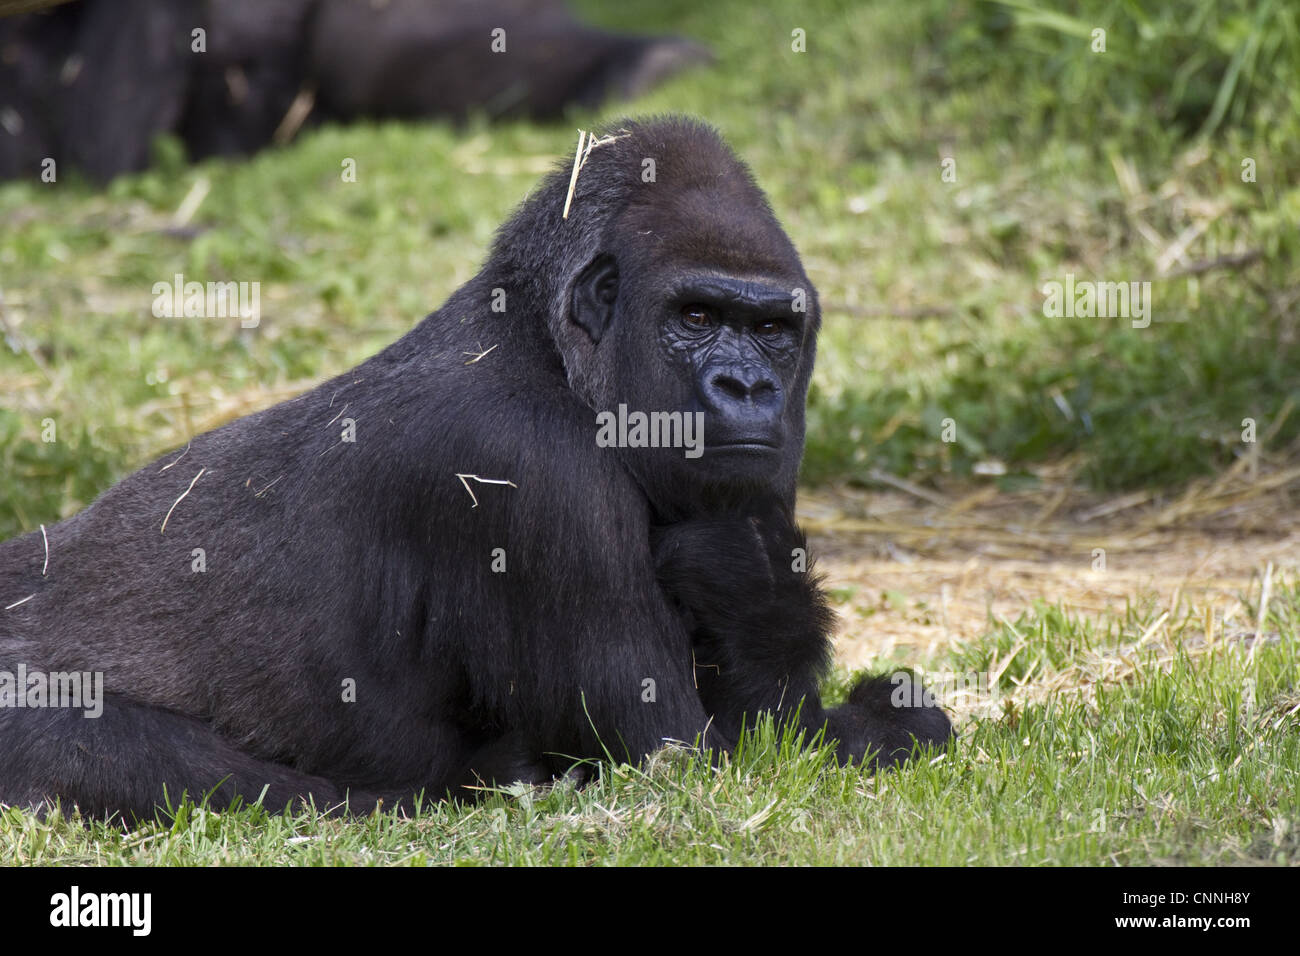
[(756, 445)]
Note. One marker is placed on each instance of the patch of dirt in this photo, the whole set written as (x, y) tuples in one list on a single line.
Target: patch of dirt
[(915, 571)]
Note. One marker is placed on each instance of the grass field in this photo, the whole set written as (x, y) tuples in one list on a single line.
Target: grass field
[(1175, 749), (936, 164)]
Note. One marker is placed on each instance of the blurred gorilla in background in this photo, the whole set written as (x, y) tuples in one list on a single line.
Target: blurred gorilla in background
[(90, 83)]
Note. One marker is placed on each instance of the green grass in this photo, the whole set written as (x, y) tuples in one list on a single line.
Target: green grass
[(1170, 752)]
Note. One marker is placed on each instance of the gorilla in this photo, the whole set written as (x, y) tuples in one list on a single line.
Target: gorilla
[(92, 83), (551, 523)]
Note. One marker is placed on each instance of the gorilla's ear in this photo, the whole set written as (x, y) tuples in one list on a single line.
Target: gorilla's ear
[(594, 294)]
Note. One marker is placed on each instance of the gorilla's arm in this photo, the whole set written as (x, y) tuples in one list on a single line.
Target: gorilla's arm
[(760, 624), (591, 657)]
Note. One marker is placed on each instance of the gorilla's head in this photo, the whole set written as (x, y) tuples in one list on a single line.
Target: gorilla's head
[(671, 288)]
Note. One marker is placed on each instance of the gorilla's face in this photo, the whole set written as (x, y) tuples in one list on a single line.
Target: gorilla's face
[(731, 352), (734, 344)]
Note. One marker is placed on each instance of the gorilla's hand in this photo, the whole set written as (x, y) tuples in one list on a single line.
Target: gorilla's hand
[(739, 570), (883, 719)]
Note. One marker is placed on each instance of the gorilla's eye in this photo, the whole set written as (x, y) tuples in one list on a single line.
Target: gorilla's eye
[(769, 327), (700, 316)]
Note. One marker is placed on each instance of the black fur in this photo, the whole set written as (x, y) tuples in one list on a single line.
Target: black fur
[(329, 560)]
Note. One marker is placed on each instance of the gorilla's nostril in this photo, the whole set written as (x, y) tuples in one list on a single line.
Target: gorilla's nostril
[(743, 387), (730, 386)]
